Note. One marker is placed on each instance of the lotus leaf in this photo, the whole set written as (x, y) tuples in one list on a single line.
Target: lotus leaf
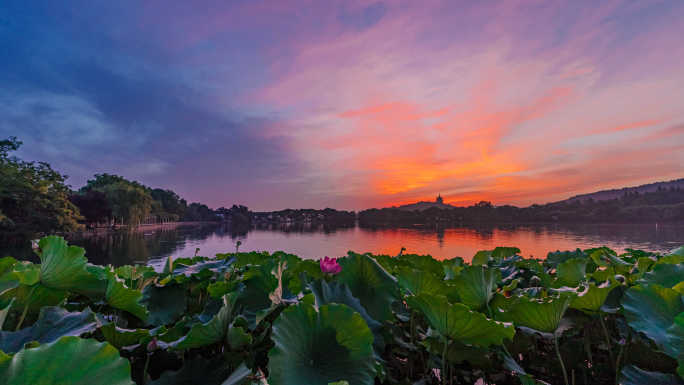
[(476, 284), (572, 271), (65, 267), (52, 323), (653, 310), (120, 337), (371, 284), (210, 371), (214, 331), (69, 360), (319, 347), (593, 296), (631, 375), (119, 296), (665, 275), (458, 322), (543, 315), (335, 292), (558, 257), (164, 303), (3, 313), (417, 282)]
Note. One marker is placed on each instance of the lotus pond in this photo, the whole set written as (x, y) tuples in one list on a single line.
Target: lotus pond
[(576, 317)]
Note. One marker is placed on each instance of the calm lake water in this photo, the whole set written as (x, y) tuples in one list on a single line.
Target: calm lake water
[(154, 245)]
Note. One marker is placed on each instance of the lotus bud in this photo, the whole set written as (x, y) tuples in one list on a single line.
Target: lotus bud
[(330, 266), (152, 346)]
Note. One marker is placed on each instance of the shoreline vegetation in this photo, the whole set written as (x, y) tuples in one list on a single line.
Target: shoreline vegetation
[(244, 318)]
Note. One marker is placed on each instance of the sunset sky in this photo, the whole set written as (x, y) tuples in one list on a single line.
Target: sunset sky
[(349, 104)]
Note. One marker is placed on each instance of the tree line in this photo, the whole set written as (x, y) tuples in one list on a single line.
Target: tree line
[(35, 199)]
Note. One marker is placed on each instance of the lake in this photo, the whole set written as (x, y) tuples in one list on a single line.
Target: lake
[(154, 245)]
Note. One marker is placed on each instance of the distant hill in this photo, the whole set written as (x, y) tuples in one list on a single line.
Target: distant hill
[(618, 193), (661, 202)]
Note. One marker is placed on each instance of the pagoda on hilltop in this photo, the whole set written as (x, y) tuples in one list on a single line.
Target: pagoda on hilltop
[(439, 199)]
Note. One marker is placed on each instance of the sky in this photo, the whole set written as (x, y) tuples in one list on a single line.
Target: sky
[(349, 104)]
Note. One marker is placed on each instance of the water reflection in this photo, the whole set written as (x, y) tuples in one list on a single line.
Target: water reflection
[(315, 241)]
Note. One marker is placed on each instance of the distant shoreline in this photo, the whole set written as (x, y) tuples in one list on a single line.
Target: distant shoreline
[(144, 227)]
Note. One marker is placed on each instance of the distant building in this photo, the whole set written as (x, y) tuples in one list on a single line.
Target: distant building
[(420, 206)]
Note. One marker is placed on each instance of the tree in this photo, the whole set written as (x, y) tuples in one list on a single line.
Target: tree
[(33, 197), (93, 205), (129, 201)]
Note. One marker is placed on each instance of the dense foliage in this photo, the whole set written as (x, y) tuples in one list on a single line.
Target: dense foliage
[(33, 197), (663, 205), (580, 317)]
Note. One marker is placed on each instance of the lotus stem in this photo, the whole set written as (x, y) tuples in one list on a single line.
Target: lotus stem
[(444, 352), (560, 359), (617, 365), (607, 335), (23, 314), (147, 364)]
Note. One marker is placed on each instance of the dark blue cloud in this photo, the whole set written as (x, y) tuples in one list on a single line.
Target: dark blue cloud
[(87, 94)]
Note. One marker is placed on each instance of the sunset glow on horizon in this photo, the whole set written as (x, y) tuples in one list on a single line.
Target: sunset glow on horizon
[(350, 105)]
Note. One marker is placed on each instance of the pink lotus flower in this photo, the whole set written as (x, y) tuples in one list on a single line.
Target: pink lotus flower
[(330, 265)]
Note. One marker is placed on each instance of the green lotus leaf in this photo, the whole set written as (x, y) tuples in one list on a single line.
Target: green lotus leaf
[(121, 297), (7, 283), (165, 303), (543, 315), (205, 371), (571, 272), (69, 360), (203, 334), (13, 274), (656, 312), (120, 337), (593, 296), (423, 263), (255, 289), (237, 337), (458, 322), (335, 292), (320, 347), (220, 288), (500, 253), (557, 257), (34, 297), (6, 264), (665, 275), (196, 266), (417, 282), (63, 267), (631, 375), (52, 323), (476, 284), (371, 284), (4, 311), (482, 257), (452, 267)]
